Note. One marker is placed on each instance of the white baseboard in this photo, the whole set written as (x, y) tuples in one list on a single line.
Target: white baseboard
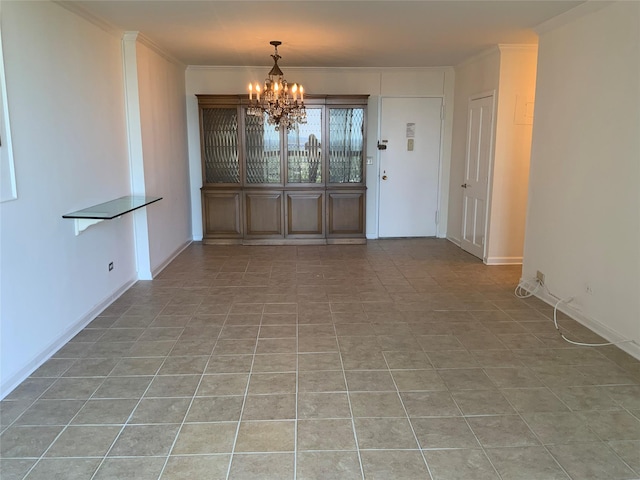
[(197, 238), (16, 379), (632, 347), (156, 271), (372, 236), (503, 261), (454, 240)]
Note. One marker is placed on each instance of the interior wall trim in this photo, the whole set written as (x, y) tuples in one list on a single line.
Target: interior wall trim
[(90, 17), (632, 348), (503, 261), (12, 382), (569, 16), (156, 271)]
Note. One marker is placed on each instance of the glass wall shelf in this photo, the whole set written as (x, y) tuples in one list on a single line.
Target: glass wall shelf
[(108, 211)]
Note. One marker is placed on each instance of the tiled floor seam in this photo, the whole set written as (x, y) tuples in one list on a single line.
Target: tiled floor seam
[(193, 397)]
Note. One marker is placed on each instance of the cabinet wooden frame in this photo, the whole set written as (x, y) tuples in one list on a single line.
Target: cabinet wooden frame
[(304, 213), (285, 212), (345, 213), (222, 213), (264, 213)]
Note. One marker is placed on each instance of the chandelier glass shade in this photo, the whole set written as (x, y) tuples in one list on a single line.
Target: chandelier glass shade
[(283, 104)]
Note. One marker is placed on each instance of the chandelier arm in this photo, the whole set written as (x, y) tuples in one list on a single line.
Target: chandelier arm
[(277, 101)]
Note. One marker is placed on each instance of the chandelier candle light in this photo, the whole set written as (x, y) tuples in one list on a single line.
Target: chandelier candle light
[(284, 106)]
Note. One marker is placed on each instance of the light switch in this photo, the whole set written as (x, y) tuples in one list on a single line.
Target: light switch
[(410, 145)]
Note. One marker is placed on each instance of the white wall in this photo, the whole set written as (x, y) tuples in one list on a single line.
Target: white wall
[(508, 71), (583, 224), (418, 82), (72, 139), (479, 74), (161, 87), (512, 153), (65, 96)]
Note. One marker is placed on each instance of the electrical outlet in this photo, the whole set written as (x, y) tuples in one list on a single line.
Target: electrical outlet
[(540, 277), (110, 266)]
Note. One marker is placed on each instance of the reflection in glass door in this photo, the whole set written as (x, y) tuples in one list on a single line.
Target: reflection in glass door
[(346, 134), (262, 151), (304, 150)]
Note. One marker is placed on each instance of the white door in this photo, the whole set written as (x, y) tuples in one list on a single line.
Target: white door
[(476, 176), (409, 167)]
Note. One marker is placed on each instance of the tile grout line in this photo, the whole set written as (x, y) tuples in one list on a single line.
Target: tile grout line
[(466, 421), (404, 408), (521, 417), (64, 427), (295, 426), (246, 392), (193, 397), (154, 376), (353, 420)]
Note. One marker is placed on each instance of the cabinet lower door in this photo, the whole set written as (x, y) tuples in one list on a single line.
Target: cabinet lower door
[(222, 213), (304, 214), (263, 214), (345, 213)]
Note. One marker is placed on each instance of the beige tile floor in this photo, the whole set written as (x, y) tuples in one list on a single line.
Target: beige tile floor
[(399, 359)]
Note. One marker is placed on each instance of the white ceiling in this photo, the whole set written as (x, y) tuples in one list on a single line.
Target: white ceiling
[(329, 33)]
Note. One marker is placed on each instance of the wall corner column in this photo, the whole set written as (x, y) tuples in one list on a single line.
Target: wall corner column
[(136, 157)]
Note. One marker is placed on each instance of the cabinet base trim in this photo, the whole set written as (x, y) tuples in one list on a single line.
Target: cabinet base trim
[(285, 241)]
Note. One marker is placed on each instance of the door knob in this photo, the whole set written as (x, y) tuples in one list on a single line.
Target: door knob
[(465, 185), (384, 177)]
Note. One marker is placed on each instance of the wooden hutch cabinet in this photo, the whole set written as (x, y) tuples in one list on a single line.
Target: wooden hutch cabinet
[(263, 186)]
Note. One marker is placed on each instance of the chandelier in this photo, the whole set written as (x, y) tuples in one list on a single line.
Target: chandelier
[(284, 106)]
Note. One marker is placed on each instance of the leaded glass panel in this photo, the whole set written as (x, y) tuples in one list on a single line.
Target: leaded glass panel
[(346, 135), (262, 150), (220, 145), (304, 154)]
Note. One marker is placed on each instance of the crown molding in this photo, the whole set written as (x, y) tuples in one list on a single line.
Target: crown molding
[(147, 42), (90, 17), (335, 69), (479, 56), (505, 47), (586, 8), (113, 30)]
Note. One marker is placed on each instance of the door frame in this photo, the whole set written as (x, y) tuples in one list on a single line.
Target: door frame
[(487, 214), (439, 234)]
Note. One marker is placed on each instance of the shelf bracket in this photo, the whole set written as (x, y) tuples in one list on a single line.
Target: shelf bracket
[(83, 223)]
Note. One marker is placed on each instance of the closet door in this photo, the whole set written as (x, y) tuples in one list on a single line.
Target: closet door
[(476, 175)]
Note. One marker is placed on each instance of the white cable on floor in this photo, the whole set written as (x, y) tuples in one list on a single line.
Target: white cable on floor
[(520, 288)]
